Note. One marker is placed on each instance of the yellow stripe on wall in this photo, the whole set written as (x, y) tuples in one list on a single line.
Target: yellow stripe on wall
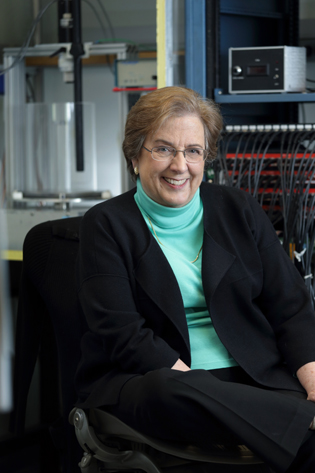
[(160, 41), (12, 255)]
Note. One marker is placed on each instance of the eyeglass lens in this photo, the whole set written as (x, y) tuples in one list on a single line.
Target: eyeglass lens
[(191, 154)]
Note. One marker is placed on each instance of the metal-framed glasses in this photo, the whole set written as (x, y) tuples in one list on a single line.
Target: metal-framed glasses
[(192, 155)]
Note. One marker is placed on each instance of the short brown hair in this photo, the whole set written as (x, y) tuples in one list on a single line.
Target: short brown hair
[(153, 109)]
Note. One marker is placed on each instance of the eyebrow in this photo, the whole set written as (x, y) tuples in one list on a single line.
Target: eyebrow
[(160, 140)]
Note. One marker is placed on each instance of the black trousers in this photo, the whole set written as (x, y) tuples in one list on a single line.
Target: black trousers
[(224, 406)]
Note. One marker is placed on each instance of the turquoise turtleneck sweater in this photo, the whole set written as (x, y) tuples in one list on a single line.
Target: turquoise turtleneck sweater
[(179, 232)]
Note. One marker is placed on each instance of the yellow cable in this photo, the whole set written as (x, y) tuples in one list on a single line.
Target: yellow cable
[(160, 41)]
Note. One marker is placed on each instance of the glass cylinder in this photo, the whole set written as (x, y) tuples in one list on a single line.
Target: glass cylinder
[(50, 149)]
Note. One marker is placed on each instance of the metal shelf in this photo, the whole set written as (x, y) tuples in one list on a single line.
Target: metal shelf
[(251, 13), (119, 49), (254, 9), (220, 97)]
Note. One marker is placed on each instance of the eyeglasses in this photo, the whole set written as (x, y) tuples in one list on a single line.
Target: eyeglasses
[(192, 155)]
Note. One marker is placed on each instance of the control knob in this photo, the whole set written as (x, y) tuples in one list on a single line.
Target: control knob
[(237, 71)]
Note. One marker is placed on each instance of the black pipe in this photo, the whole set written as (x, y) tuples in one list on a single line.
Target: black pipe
[(77, 51), (65, 35)]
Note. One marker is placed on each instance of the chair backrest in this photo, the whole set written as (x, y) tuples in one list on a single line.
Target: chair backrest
[(48, 305)]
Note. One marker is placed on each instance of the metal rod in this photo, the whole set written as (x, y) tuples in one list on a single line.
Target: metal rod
[(65, 34), (77, 51)]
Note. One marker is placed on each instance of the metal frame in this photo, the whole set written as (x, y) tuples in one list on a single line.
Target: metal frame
[(217, 38), (220, 97), (195, 12)]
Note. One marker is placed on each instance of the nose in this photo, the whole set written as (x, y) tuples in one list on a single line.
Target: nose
[(179, 163)]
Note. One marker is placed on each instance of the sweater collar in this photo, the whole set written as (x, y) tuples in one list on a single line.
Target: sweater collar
[(167, 217)]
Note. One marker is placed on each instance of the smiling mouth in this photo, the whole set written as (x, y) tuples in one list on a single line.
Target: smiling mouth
[(174, 182)]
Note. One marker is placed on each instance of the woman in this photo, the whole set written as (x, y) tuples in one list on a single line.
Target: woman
[(186, 290)]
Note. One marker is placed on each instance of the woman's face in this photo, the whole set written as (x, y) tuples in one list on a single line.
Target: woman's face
[(174, 182)]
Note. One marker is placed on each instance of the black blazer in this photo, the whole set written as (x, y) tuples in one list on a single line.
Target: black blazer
[(256, 298)]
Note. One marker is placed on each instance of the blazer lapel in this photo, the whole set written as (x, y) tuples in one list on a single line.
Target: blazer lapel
[(216, 261), (157, 279)]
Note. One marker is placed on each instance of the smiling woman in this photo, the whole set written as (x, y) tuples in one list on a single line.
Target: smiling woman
[(197, 317), (180, 129), (154, 109), (172, 181)]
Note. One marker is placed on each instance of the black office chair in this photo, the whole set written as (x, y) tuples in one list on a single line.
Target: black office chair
[(48, 291), (48, 327)]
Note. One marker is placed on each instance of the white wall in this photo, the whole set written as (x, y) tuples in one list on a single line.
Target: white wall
[(131, 19), (16, 16), (307, 9)]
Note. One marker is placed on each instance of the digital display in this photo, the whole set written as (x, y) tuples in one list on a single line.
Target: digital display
[(261, 70)]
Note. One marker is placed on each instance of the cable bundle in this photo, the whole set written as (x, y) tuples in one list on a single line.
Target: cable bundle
[(277, 167)]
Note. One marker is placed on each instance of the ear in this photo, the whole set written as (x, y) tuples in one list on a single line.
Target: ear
[(135, 162)]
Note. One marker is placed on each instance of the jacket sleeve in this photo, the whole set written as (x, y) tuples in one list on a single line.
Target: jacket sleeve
[(284, 300), (107, 296)]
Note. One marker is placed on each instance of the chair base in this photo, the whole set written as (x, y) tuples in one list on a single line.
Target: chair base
[(111, 445)]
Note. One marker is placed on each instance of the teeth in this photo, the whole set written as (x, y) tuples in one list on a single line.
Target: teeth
[(175, 183)]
